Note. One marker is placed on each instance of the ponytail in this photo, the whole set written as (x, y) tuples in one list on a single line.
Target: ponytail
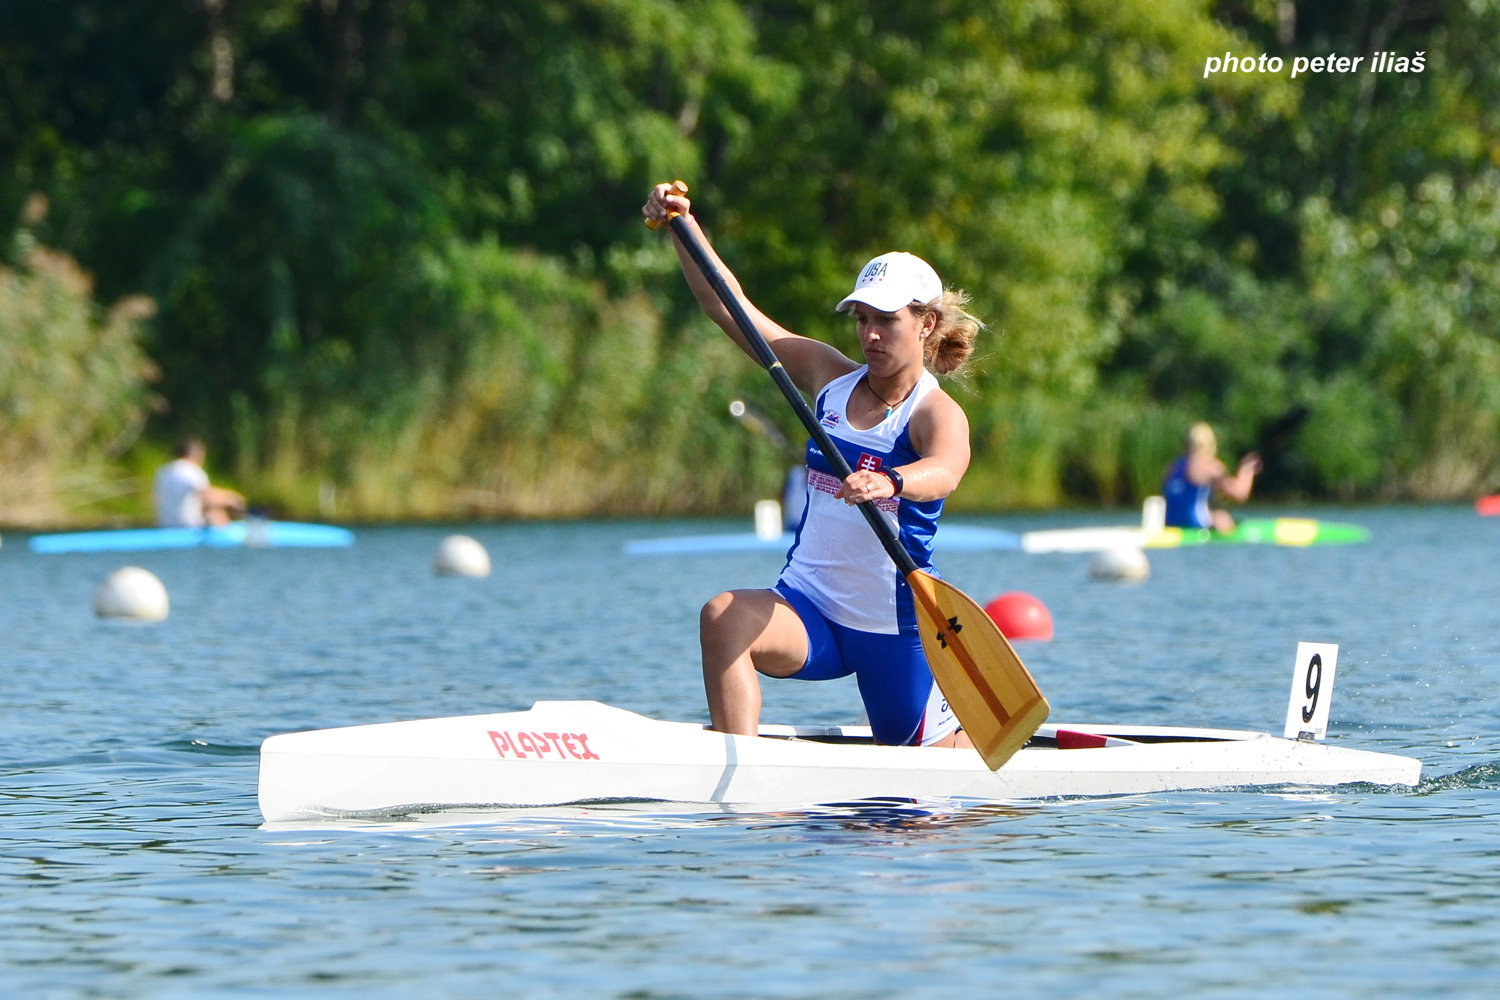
[(952, 340)]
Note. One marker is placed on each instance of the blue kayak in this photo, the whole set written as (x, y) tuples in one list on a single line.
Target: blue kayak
[(949, 538), (253, 533)]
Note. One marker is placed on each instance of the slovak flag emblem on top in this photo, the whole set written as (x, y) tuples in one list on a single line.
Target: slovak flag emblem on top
[(868, 462)]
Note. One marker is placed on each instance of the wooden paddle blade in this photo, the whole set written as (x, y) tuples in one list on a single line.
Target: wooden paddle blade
[(985, 682)]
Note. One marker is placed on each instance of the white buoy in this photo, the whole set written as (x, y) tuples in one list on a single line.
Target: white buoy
[(133, 594), (460, 555), (1127, 564), (768, 525)]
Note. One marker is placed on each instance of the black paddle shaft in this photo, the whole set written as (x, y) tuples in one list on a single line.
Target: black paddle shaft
[(893, 548)]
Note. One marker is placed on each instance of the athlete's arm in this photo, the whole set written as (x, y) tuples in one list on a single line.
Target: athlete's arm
[(812, 364), (1237, 487), (220, 496), (940, 434)]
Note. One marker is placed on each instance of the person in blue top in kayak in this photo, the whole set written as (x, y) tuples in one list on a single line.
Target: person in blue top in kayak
[(1196, 474), (839, 607)]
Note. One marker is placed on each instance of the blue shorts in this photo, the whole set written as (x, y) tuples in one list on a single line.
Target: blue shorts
[(904, 704)]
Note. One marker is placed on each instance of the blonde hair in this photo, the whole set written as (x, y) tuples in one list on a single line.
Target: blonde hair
[(1200, 440), (952, 340)]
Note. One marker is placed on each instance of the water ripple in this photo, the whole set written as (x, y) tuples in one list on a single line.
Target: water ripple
[(134, 863)]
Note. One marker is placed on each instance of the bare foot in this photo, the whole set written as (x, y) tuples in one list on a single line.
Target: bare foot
[(957, 739)]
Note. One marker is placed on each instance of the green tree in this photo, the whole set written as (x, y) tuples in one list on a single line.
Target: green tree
[(73, 385), (399, 260)]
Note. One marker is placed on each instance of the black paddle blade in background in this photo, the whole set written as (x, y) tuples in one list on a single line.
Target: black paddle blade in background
[(1283, 470)]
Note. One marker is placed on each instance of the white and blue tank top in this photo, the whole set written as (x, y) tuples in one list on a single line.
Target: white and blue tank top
[(835, 559)]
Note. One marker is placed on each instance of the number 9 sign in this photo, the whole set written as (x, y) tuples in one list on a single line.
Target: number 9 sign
[(1312, 690)]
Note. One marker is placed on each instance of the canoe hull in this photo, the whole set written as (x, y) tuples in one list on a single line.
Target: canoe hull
[(1288, 531), (569, 752)]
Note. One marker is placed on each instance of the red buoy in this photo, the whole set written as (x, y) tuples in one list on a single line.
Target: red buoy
[(1020, 616), (1488, 506)]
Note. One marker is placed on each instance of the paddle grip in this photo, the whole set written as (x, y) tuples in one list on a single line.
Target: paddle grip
[(893, 547), (678, 187)]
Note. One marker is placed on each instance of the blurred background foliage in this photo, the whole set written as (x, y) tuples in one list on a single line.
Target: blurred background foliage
[(73, 386), (386, 255)]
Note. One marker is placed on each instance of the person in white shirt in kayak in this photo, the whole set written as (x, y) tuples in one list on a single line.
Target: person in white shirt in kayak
[(183, 496)]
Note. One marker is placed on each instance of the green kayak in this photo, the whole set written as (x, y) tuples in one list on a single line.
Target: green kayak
[(1263, 531)]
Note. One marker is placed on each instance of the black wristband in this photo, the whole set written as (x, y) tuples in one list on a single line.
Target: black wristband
[(895, 478)]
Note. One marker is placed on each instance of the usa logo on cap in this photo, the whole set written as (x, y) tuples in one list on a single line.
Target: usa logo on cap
[(892, 281)]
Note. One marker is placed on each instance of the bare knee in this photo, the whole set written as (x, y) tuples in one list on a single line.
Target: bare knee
[(740, 622), (720, 625), (715, 610)]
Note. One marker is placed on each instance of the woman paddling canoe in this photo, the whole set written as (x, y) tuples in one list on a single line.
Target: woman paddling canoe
[(1193, 477), (840, 607)]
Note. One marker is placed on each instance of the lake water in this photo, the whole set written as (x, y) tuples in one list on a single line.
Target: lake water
[(133, 863)]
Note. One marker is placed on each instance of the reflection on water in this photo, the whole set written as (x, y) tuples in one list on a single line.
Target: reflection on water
[(134, 863)]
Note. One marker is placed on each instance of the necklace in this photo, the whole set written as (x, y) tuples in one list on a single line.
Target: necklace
[(889, 406)]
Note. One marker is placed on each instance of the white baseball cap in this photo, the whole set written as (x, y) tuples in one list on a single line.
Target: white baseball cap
[(894, 280)]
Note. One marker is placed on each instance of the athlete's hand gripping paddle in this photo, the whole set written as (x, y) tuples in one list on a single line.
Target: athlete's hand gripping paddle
[(986, 684)]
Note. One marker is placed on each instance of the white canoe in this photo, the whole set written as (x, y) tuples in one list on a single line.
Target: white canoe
[(1082, 539), (562, 752)]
